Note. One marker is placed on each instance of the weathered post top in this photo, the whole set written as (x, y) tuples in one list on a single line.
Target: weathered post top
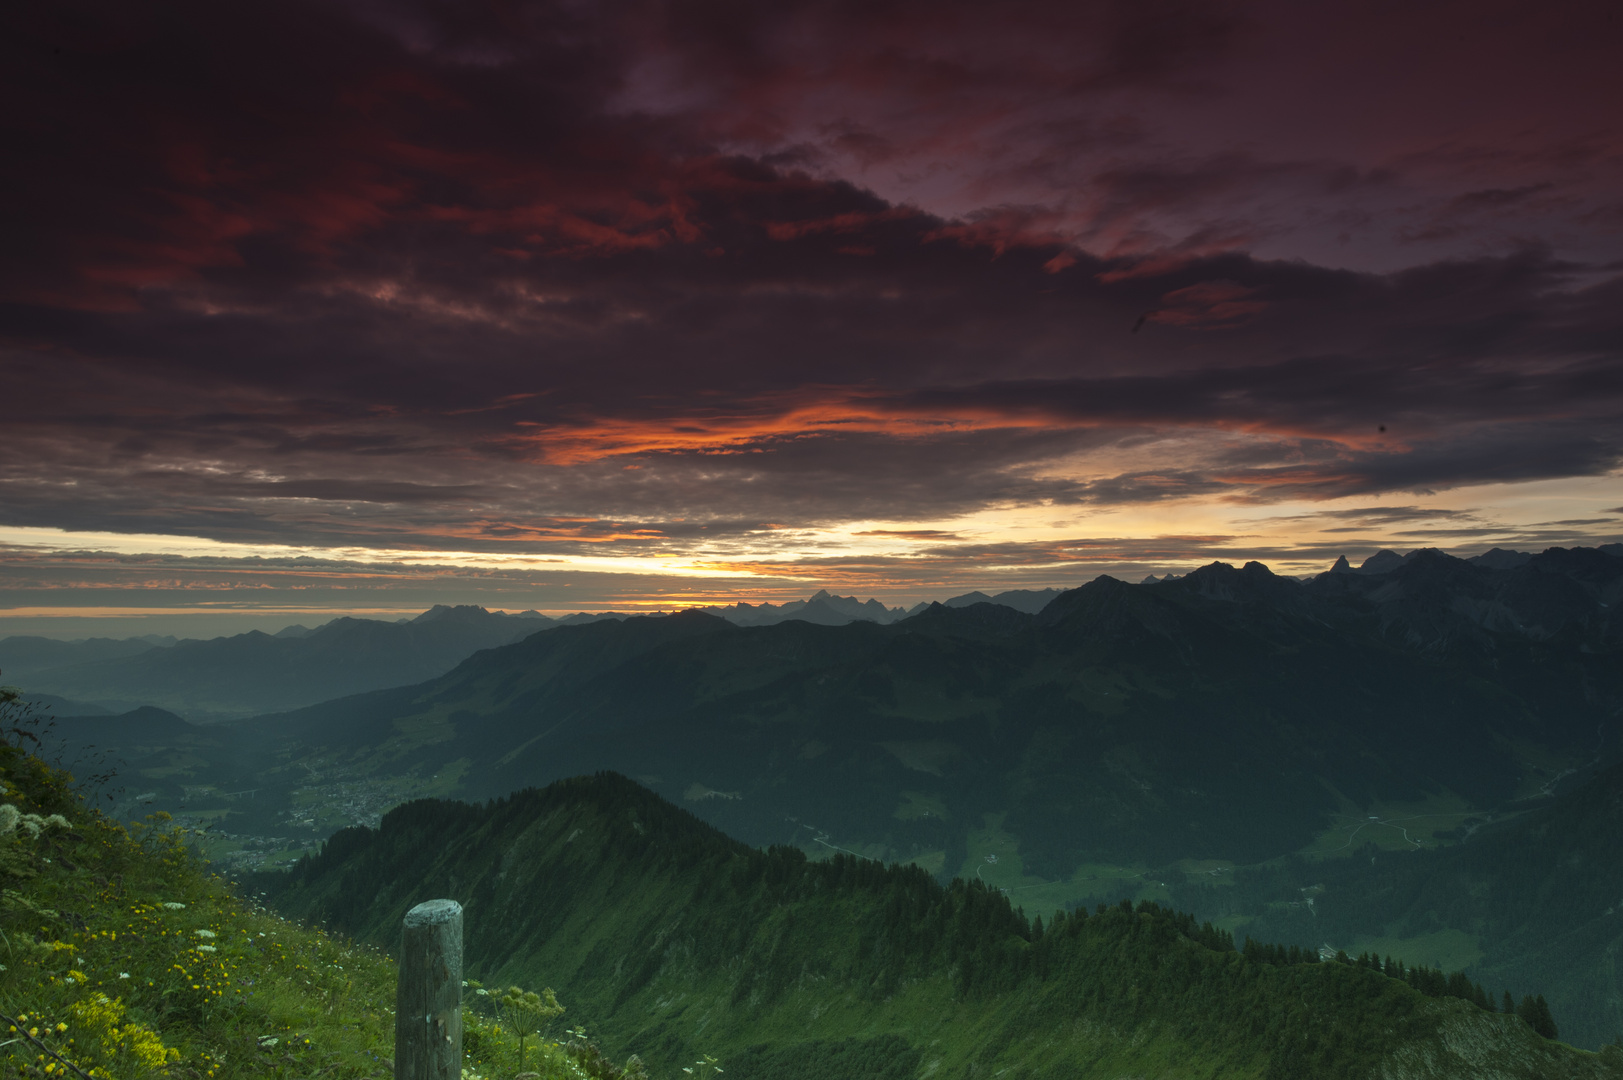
[(430, 912), (428, 997)]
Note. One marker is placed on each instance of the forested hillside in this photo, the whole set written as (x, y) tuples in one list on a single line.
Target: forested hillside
[(683, 941), (1541, 889), (1123, 724)]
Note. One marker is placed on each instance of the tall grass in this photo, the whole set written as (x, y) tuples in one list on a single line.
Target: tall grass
[(122, 956)]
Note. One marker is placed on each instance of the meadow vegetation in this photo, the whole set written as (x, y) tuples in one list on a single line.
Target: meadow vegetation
[(122, 956)]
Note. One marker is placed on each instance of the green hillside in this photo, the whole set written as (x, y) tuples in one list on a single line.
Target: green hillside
[(682, 941), (123, 957)]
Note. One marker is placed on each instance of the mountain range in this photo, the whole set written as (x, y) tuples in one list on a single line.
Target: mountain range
[(1122, 722), (1125, 741), (826, 609), (248, 674)]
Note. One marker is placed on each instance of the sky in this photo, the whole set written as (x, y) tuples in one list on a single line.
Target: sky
[(356, 307)]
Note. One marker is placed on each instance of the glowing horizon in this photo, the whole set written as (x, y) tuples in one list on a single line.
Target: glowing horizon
[(746, 314)]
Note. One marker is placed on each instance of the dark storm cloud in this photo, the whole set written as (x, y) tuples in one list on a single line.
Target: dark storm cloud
[(875, 403), (589, 278), (1367, 517)]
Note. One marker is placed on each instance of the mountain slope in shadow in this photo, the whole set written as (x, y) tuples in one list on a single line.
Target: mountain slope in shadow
[(671, 939)]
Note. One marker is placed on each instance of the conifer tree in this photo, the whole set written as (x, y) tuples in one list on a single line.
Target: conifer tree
[(1543, 1022), (1536, 1012)]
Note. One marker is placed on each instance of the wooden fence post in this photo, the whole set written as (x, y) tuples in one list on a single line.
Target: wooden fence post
[(428, 998)]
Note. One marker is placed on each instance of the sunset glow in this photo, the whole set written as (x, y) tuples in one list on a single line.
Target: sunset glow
[(354, 309)]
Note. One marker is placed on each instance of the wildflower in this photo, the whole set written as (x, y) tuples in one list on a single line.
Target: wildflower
[(123, 974), (206, 948), (173, 905), (205, 933), (9, 818)]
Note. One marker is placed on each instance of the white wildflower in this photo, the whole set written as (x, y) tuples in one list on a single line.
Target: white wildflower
[(172, 905), (9, 817), (205, 933)]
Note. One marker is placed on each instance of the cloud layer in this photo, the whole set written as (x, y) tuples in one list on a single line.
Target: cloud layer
[(797, 285)]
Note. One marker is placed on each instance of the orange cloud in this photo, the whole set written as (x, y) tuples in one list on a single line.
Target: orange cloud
[(853, 221)]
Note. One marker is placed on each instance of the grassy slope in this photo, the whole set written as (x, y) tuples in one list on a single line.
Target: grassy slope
[(196, 982), (124, 956), (682, 941)]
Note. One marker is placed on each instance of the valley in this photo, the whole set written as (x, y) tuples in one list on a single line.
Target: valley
[(1249, 748)]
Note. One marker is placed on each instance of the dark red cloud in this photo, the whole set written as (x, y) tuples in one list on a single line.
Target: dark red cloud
[(583, 277)]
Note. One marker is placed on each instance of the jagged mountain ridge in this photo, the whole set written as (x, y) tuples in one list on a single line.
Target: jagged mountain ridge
[(1143, 710), (1434, 599), (826, 609)]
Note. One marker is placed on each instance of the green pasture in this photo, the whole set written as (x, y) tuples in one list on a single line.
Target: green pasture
[(1397, 826), (1451, 950), (994, 857)]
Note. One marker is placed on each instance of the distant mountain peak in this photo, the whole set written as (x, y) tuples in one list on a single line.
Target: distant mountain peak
[(1501, 559), (1381, 562), (446, 611), (1342, 566), (1430, 554)]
